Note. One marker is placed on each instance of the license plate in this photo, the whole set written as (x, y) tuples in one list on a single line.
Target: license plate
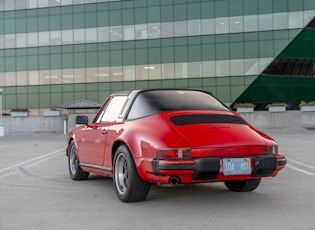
[(237, 166)]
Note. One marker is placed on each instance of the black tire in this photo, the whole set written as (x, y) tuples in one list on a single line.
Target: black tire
[(242, 185), (129, 187), (75, 170)]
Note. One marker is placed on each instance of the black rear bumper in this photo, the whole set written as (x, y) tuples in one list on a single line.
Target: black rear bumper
[(209, 168)]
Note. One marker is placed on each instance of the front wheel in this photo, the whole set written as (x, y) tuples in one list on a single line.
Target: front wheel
[(75, 170), (129, 186), (242, 185)]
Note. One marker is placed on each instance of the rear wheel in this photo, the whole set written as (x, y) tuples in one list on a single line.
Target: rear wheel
[(75, 170), (129, 186), (242, 185)]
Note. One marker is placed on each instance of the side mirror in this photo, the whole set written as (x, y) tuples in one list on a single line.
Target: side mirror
[(81, 120)]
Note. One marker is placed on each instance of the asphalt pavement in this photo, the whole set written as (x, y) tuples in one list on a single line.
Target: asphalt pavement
[(36, 193)]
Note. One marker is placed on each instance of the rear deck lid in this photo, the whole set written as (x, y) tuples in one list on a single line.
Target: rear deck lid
[(219, 129)]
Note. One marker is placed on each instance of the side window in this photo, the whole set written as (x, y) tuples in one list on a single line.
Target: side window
[(112, 110)]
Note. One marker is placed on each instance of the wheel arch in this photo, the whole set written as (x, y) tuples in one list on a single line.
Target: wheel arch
[(116, 145), (68, 146), (132, 151)]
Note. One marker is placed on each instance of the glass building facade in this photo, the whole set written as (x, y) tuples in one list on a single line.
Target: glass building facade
[(57, 51)]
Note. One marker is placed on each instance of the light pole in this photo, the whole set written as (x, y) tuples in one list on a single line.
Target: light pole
[(1, 127)]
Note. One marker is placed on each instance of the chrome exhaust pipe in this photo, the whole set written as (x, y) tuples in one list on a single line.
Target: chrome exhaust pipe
[(174, 180)]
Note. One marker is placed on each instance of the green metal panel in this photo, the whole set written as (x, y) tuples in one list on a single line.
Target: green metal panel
[(269, 89)]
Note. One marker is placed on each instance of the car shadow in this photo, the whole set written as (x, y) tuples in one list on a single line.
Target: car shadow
[(196, 194)]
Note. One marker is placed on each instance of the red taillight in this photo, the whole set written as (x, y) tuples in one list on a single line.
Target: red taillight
[(172, 153), (272, 149)]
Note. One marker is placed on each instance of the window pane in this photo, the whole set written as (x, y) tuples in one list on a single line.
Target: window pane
[(10, 79), (141, 31), (55, 38), (79, 36), (263, 63), (103, 74), (55, 77), (167, 29), (181, 70), (113, 109), (208, 69), (129, 73), (44, 77), (194, 27), (237, 67), (115, 33), (43, 38), (2, 79), (116, 73), (236, 24), (43, 3), (251, 67), (154, 72), (91, 35), (21, 78), (129, 32), (2, 41), (32, 39), (168, 71), (221, 25), (31, 3), (265, 22), (194, 69), (250, 23), (66, 2), (10, 41), (295, 20), (102, 34), (20, 40), (9, 5), (180, 28), (280, 21), (67, 37), (79, 75), (91, 74), (67, 76), (33, 77), (222, 68), (54, 2), (308, 16), (154, 30), (142, 73), (207, 26), (20, 4)]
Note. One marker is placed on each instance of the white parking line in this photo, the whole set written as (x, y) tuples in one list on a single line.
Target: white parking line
[(304, 165), (31, 162), (301, 170), (301, 167)]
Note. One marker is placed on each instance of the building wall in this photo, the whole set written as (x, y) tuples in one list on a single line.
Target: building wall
[(258, 119), (55, 52)]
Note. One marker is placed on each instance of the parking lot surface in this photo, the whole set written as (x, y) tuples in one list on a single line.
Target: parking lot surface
[(36, 192)]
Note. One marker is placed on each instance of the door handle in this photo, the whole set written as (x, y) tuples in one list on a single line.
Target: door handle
[(104, 131)]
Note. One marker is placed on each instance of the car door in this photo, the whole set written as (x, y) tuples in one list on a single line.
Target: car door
[(93, 136), (91, 144)]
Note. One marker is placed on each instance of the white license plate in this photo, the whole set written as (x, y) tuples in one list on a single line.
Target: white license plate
[(237, 166)]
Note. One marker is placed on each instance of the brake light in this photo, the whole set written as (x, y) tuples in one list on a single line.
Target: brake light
[(173, 153), (272, 149)]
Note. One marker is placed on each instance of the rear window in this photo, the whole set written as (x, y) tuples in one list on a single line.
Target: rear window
[(151, 102)]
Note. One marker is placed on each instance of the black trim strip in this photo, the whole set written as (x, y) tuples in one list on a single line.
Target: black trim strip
[(264, 165), (282, 162), (176, 167), (96, 167), (206, 118)]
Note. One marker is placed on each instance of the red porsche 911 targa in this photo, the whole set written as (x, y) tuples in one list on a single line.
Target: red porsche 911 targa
[(170, 136)]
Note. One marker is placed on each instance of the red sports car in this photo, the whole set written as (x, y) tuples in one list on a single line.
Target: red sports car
[(170, 136)]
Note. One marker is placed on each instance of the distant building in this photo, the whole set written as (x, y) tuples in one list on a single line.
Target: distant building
[(54, 52)]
